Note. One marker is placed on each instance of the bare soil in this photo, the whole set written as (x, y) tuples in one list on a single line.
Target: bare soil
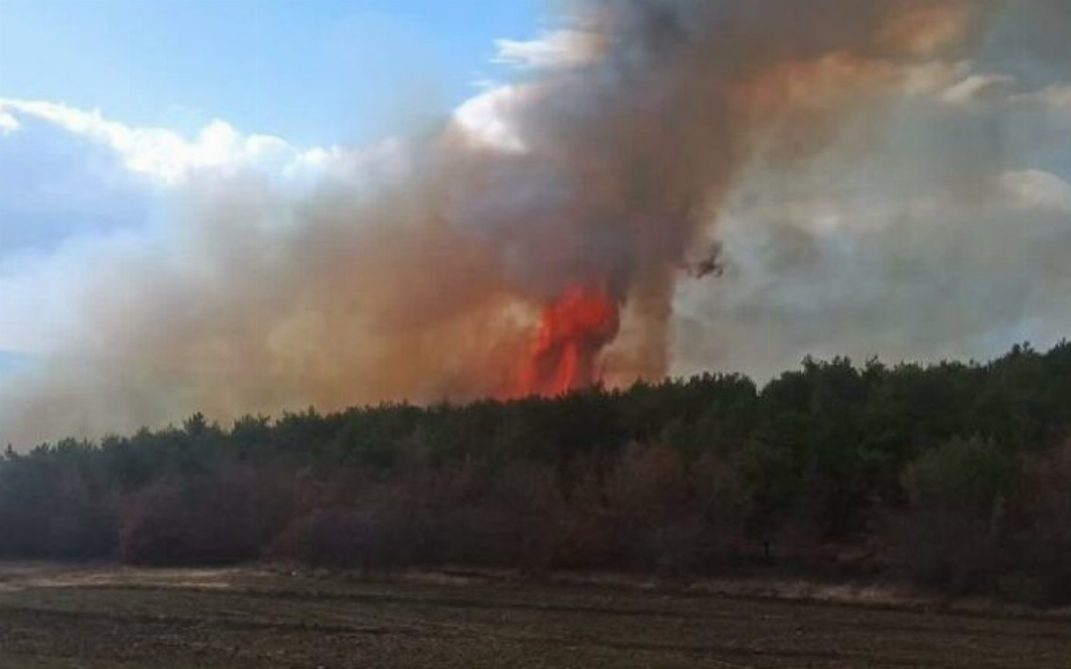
[(111, 617)]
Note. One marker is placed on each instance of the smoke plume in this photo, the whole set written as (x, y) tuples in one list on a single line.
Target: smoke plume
[(453, 266)]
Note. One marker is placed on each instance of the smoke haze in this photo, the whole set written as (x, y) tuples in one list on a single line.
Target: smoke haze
[(859, 174)]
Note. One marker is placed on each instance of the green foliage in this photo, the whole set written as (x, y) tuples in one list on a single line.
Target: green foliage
[(949, 533), (965, 475), (682, 475)]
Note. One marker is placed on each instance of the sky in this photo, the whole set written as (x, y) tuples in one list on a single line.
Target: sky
[(937, 224), (319, 74)]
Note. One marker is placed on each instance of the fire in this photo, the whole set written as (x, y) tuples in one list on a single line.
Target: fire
[(572, 330)]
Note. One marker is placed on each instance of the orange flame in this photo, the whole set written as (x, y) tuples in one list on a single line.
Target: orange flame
[(572, 330)]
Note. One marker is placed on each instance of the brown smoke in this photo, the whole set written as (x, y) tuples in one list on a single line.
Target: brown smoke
[(432, 287)]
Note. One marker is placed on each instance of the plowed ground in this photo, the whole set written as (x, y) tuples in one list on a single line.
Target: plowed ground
[(108, 617)]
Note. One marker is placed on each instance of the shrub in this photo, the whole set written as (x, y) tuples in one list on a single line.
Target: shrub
[(949, 534), (474, 514), (83, 532), (648, 495), (372, 538), (224, 517), (1039, 548)]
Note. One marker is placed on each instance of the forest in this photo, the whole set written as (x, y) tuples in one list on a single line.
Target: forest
[(951, 476)]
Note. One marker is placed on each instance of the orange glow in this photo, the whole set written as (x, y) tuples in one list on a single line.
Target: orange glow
[(572, 330)]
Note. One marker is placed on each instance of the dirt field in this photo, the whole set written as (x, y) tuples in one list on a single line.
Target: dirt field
[(108, 618)]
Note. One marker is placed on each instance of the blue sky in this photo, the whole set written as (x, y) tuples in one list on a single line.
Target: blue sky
[(314, 72)]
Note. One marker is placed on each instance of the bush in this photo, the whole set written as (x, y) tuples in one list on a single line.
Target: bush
[(219, 518), (503, 515), (724, 502), (54, 513), (1039, 547), (473, 514), (83, 532), (949, 535), (648, 496), (374, 538)]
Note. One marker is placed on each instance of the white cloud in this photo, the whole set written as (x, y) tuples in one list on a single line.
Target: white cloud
[(980, 86), (996, 88), (8, 123), (163, 155), (929, 77), (552, 49), (1037, 189), (1056, 97), (487, 117)]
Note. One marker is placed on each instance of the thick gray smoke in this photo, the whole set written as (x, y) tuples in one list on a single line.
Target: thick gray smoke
[(942, 231), (663, 131)]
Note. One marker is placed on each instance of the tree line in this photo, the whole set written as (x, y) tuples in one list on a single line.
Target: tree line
[(952, 475)]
